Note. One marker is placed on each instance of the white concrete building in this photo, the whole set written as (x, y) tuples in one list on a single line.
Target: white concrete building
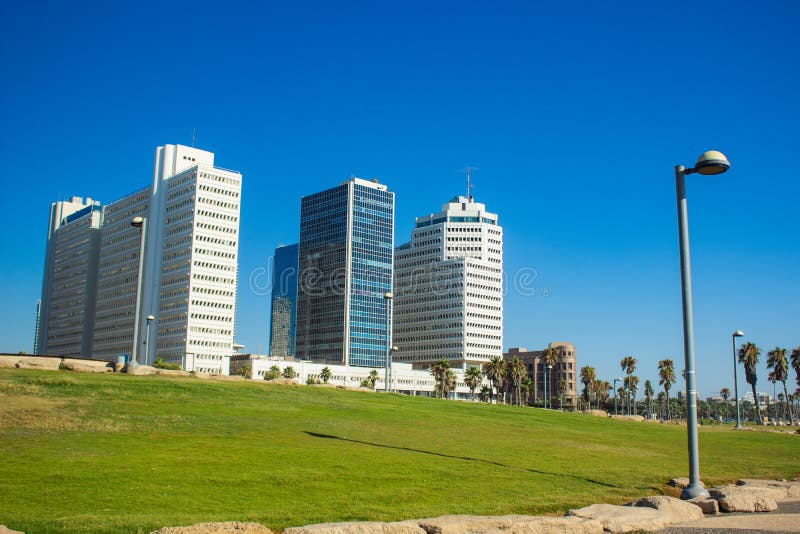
[(66, 312), (189, 269), (448, 299)]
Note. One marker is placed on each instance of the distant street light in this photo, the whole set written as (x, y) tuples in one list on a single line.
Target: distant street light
[(549, 384), (615, 393), (709, 163), (141, 224), (737, 333)]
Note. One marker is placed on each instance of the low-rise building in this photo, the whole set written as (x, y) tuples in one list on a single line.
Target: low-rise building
[(565, 368)]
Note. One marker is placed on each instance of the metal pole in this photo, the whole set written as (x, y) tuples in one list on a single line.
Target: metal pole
[(615, 395), (147, 342), (695, 488), (388, 299), (138, 304)]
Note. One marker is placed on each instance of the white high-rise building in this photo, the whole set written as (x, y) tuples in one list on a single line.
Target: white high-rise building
[(189, 267), (448, 299)]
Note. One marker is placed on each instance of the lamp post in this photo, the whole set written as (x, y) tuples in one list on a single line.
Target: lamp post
[(550, 385), (391, 378), (387, 297), (615, 394), (709, 163), (141, 224), (149, 319), (635, 390), (737, 333)]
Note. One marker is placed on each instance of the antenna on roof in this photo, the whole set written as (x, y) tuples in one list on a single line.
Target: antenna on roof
[(469, 183), (194, 130)]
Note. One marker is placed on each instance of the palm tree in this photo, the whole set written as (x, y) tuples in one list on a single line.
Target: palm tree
[(562, 388), (550, 358), (473, 378), (439, 374), (796, 365), (631, 384), (628, 364), (448, 383), (725, 393), (326, 374), (648, 396), (526, 385), (494, 370), (601, 388), (516, 372), (666, 373), (373, 378), (748, 356), (485, 394), (776, 360), (589, 378)]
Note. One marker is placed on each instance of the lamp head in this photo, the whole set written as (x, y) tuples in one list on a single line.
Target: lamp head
[(394, 348), (738, 333), (388, 295), (137, 222), (711, 162), (150, 318)]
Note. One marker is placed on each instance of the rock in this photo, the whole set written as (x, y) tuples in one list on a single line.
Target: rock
[(359, 527), (744, 498), (50, 364), (782, 488), (285, 381), (623, 518), (84, 366), (4, 529), (200, 375), (680, 483), (508, 524), (596, 413), (141, 370), (231, 527), (679, 511), (172, 372), (8, 361), (708, 506), (628, 417)]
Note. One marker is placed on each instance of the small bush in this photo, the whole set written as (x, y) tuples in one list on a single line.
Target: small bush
[(289, 372), (311, 381), (273, 373), (161, 364), (366, 383)]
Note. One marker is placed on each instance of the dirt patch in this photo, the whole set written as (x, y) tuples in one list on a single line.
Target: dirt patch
[(27, 413)]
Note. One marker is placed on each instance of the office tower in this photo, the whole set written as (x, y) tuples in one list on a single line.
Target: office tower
[(284, 302), (345, 268), (66, 314), (449, 288), (189, 267)]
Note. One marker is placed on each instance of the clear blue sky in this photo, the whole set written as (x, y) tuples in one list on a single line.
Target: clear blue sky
[(574, 113)]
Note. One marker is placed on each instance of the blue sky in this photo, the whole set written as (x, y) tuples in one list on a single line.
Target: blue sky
[(574, 114)]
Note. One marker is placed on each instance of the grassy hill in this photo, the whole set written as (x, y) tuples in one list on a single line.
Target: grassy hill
[(91, 453)]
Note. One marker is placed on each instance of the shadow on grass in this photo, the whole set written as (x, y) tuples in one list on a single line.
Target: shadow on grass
[(466, 458)]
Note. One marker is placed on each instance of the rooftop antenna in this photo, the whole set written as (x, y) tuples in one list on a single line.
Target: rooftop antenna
[(469, 183), (194, 131)]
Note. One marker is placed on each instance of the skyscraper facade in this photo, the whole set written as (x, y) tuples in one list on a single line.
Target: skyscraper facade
[(345, 261), (189, 266), (449, 288), (284, 302)]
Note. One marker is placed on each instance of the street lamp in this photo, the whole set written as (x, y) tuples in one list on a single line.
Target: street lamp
[(391, 378), (737, 333), (550, 384), (615, 393), (141, 224), (709, 163), (149, 319), (635, 390), (388, 298)]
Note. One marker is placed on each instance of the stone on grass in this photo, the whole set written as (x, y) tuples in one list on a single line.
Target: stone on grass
[(358, 527), (637, 418), (783, 489), (679, 511), (84, 366), (8, 361), (50, 364), (680, 482), (596, 413), (708, 506), (140, 370), (508, 524), (5, 530), (744, 499), (172, 372), (230, 527), (624, 518)]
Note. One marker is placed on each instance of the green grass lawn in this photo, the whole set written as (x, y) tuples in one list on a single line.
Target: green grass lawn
[(115, 453)]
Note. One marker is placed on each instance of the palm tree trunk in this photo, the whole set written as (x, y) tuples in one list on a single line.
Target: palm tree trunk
[(788, 406), (758, 405), (669, 415)]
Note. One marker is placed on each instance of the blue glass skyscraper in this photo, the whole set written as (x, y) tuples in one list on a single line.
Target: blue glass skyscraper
[(345, 264), (284, 302)]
